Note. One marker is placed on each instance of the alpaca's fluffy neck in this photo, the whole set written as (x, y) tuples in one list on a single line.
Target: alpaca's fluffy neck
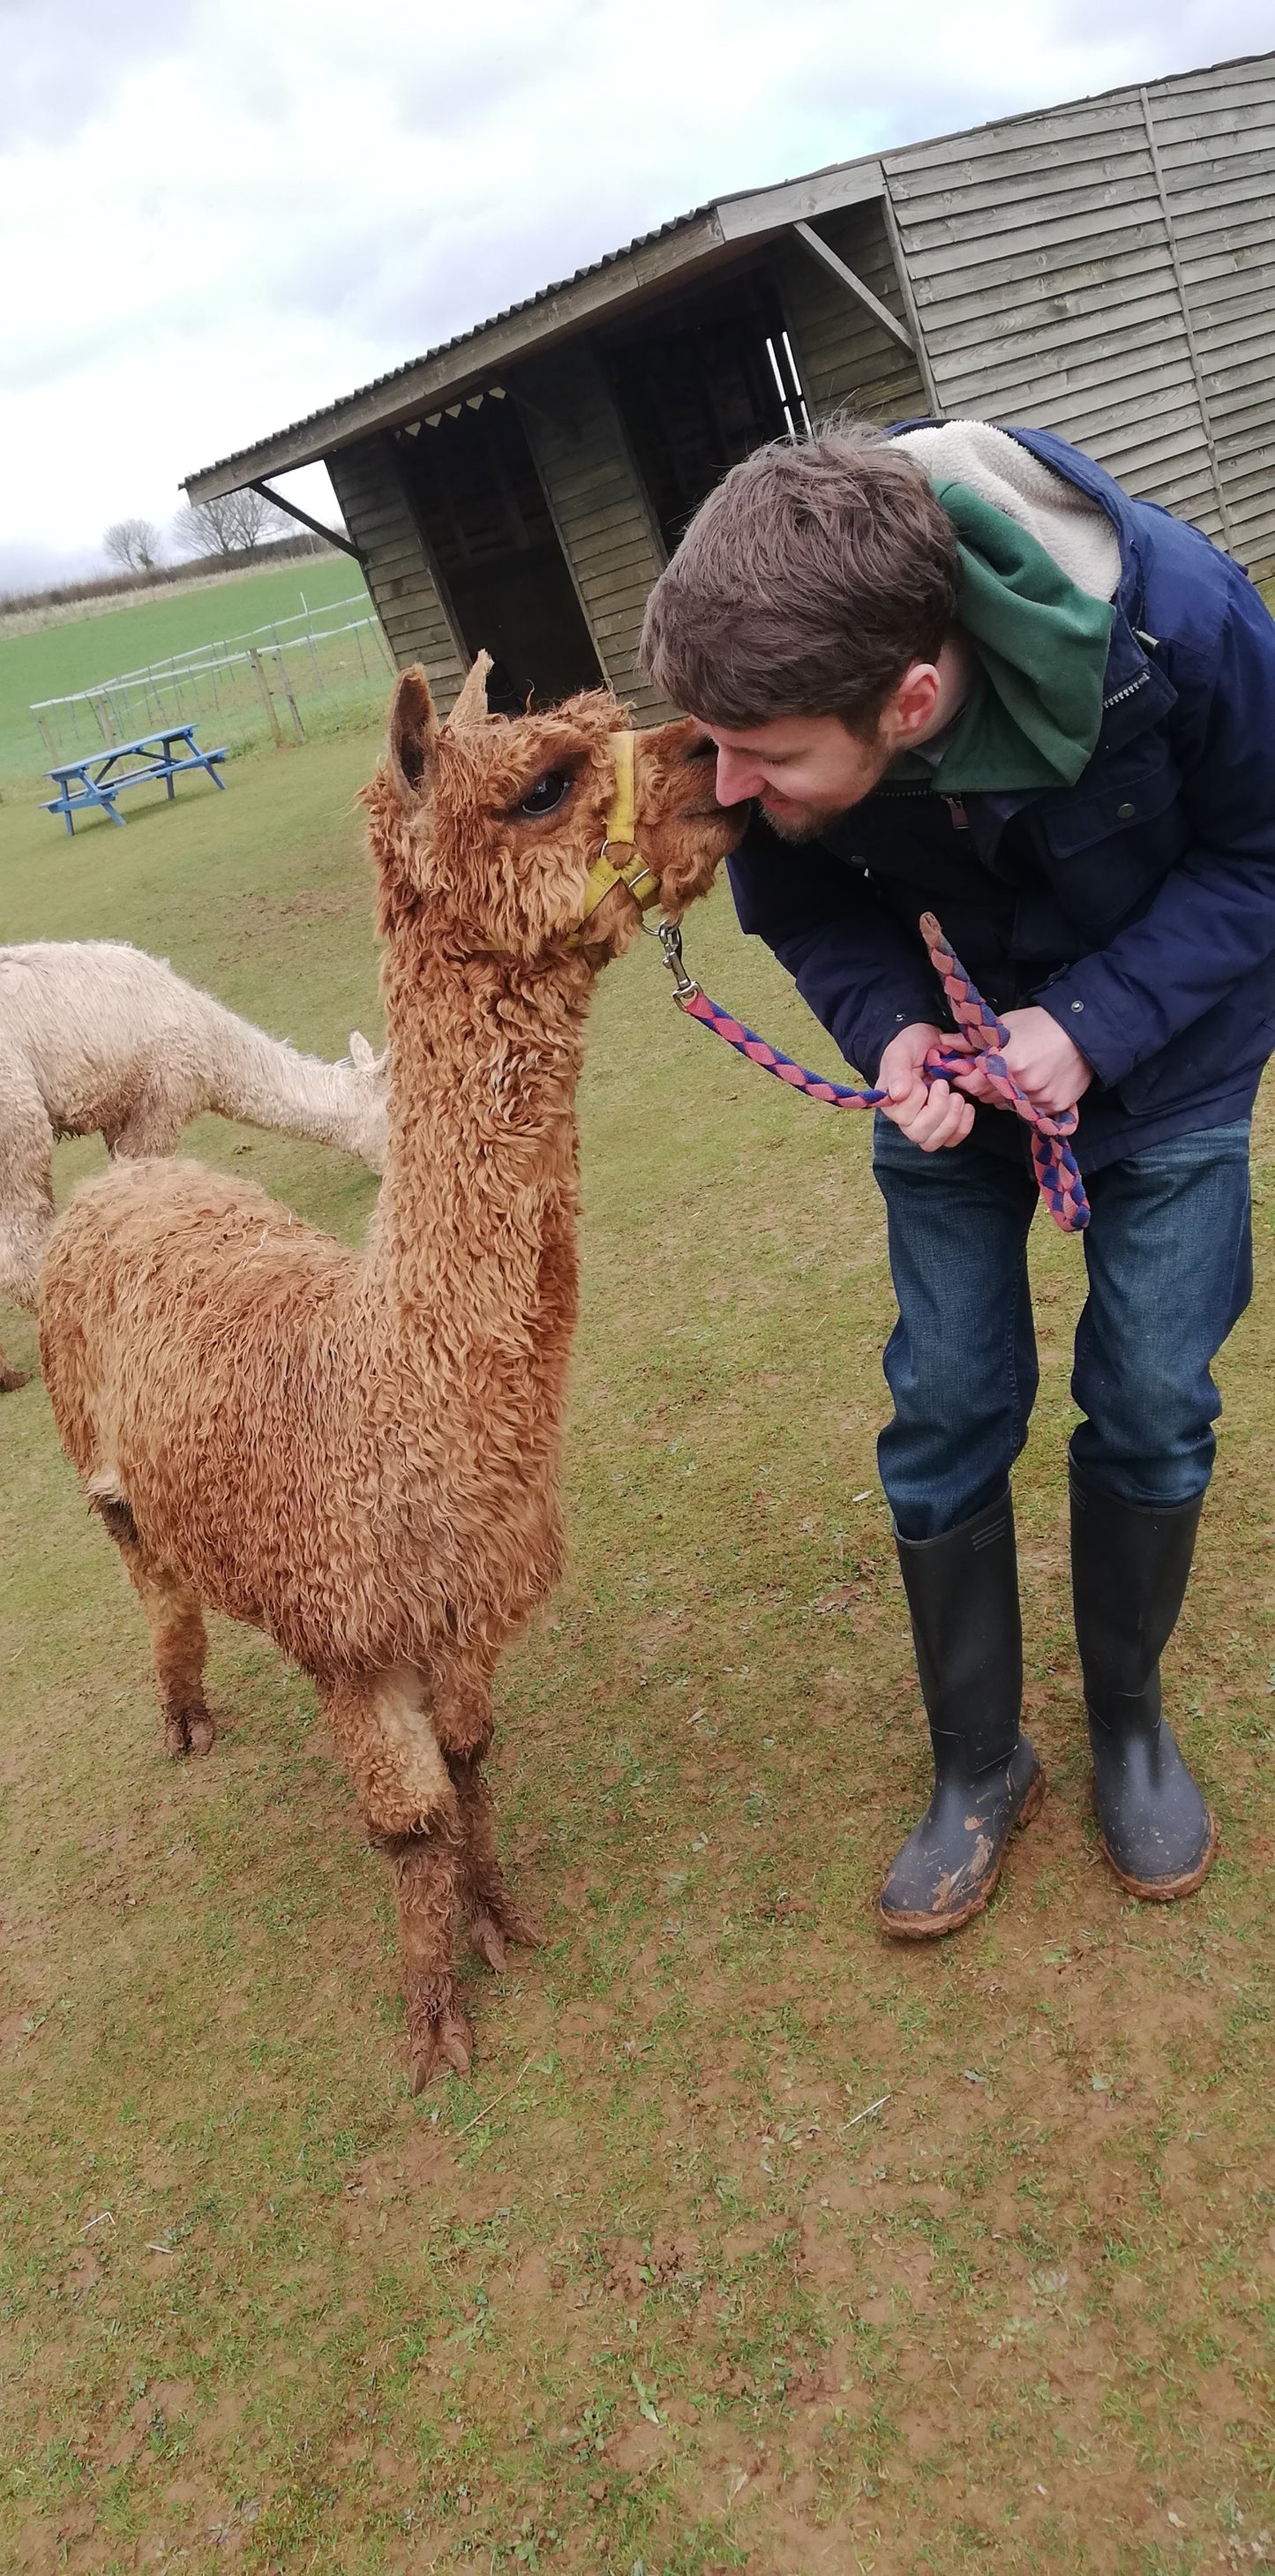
[(474, 1256), (266, 1083)]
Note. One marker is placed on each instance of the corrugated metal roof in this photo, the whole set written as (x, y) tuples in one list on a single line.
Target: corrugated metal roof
[(508, 313)]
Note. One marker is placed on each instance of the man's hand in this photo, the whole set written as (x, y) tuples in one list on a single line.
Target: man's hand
[(930, 1114), (1045, 1064), (1041, 1057)]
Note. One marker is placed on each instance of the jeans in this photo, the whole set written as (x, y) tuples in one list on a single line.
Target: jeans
[(1168, 1251)]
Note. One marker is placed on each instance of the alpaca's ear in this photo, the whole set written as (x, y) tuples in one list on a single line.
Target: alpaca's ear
[(361, 1054), (413, 734), (471, 707)]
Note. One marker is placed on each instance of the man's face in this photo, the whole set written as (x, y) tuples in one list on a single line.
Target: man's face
[(805, 769), (802, 770)]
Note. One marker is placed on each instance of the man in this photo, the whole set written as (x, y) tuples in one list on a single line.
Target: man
[(958, 669)]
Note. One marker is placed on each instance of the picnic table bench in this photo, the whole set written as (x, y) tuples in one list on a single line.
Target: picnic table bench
[(82, 784)]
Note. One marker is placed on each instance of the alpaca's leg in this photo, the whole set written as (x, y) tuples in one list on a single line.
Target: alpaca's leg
[(463, 1722), (426, 1869), (179, 1640), (492, 1914), (385, 1735)]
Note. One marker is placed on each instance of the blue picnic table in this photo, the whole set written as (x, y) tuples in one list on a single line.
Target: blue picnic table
[(82, 784)]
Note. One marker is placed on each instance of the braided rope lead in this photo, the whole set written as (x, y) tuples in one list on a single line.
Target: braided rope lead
[(1056, 1168)]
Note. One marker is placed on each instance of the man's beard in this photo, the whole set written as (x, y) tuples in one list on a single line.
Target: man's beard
[(805, 823)]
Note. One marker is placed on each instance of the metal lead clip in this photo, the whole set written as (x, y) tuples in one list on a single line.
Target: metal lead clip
[(685, 988)]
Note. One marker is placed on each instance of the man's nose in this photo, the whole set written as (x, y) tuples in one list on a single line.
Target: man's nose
[(737, 777)]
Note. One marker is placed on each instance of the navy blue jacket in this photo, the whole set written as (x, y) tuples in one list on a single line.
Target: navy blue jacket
[(1138, 907)]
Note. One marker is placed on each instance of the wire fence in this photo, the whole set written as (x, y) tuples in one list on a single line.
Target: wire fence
[(269, 684)]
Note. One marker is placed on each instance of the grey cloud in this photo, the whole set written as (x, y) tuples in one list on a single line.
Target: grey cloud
[(411, 280), (448, 98), (61, 63), (465, 71)]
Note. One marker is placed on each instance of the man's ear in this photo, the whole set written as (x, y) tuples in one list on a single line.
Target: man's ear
[(911, 705), (413, 742)]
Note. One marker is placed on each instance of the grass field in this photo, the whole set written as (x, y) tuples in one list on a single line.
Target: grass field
[(753, 2243), (54, 661)]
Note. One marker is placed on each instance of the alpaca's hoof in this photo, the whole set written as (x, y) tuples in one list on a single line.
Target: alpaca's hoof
[(520, 1927), (12, 1379), (490, 1932), (189, 1731), (445, 2046), (488, 1940)]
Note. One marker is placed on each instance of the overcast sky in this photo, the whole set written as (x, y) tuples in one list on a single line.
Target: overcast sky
[(217, 215)]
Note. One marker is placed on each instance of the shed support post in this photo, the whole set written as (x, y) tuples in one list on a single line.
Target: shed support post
[(906, 290), (1188, 326), (820, 249), (315, 526)]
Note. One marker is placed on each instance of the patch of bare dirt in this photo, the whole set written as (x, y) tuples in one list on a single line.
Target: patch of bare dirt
[(309, 905), (634, 2269)]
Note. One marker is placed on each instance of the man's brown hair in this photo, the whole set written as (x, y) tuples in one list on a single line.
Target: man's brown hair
[(805, 585)]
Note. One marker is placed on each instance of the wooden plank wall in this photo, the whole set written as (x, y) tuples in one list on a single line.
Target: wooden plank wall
[(606, 531), (379, 517), (847, 360), (1072, 269), (1046, 288), (1215, 137)]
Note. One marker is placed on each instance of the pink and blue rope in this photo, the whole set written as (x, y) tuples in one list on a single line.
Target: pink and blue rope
[(1057, 1171)]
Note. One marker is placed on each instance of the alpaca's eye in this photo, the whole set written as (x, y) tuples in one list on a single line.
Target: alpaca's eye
[(547, 793)]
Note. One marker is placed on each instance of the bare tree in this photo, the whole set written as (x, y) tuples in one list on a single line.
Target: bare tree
[(134, 544), (234, 525)]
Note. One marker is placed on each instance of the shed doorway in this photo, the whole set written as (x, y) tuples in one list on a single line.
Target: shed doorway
[(698, 385), (472, 481)]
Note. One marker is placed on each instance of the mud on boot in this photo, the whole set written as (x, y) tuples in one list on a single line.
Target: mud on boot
[(950, 1863), (962, 1593)]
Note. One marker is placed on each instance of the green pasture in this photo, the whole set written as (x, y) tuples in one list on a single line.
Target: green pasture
[(55, 660), (754, 2242)]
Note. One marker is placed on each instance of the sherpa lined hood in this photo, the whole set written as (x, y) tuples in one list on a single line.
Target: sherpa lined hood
[(998, 469), (1039, 565)]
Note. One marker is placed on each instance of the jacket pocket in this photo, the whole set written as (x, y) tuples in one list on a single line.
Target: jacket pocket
[(1110, 840)]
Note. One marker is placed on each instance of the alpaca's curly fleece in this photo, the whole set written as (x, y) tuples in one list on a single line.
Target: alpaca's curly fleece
[(359, 1452)]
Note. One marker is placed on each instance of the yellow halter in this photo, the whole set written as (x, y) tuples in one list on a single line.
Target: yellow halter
[(632, 871)]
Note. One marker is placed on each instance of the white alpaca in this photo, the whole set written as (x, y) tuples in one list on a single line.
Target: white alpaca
[(98, 1037)]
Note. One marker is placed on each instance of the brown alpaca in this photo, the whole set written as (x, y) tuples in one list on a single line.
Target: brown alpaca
[(359, 1451)]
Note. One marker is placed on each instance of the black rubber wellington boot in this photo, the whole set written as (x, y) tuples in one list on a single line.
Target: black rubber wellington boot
[(1129, 1568), (962, 1592)]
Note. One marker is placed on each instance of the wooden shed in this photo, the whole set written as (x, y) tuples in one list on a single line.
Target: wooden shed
[(1105, 268)]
